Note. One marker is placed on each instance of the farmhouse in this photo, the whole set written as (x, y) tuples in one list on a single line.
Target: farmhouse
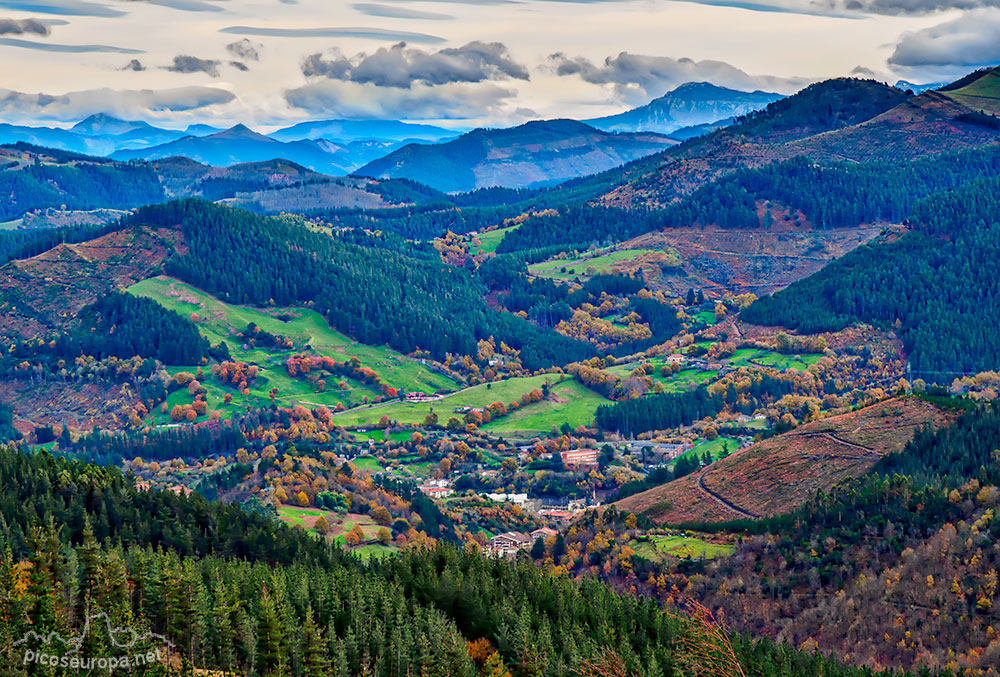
[(516, 499), (438, 489), (675, 359), (544, 533), (508, 543), (580, 459), (561, 515)]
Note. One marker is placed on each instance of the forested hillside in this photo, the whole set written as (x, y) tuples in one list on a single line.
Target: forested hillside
[(911, 542), (934, 285), (88, 536), (376, 295), (78, 182)]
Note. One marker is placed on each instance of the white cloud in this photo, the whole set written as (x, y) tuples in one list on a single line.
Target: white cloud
[(341, 99), (390, 12), (22, 26), (127, 104), (969, 41), (636, 78), (192, 64), (400, 66)]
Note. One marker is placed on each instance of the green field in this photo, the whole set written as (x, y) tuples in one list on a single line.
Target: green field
[(574, 404), (982, 94), (381, 436), (602, 263), (771, 359), (366, 552), (489, 241), (712, 447), (367, 464), (218, 321), (303, 517), (706, 317), (339, 524), (685, 547), (483, 395), (685, 379)]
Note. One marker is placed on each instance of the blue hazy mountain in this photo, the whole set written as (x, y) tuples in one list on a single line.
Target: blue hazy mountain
[(240, 145), (690, 105), (918, 89), (532, 154), (353, 130)]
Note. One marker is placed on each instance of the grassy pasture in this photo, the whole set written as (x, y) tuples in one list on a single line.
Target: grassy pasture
[(573, 403), (577, 267), (479, 396), (685, 547), (219, 321), (489, 241)]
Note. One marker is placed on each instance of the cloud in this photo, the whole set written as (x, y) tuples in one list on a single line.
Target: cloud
[(479, 2), (245, 49), (844, 9), (127, 103), (388, 11), (636, 78), (970, 41), (22, 26), (185, 5), (343, 99), (66, 49), (401, 66), (134, 65), (807, 7), (63, 7), (192, 64), (346, 32), (906, 7)]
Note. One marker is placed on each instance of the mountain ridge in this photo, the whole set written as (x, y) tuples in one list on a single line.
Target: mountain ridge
[(688, 105), (532, 154)]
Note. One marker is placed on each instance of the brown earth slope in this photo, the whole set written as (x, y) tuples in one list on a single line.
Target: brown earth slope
[(761, 261), (46, 291), (779, 474)]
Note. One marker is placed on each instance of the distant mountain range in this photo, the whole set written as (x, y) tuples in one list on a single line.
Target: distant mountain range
[(34, 180), (342, 146), (355, 130), (690, 105), (330, 146), (533, 154), (240, 145)]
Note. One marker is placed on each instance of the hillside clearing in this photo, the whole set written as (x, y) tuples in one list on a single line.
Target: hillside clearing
[(781, 473)]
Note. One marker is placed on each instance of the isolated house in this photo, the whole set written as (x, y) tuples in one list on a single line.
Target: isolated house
[(508, 543), (545, 533), (580, 459)]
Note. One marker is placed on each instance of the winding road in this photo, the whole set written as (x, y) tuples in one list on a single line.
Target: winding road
[(719, 499)]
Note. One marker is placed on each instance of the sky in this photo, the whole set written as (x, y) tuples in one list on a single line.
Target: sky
[(459, 63)]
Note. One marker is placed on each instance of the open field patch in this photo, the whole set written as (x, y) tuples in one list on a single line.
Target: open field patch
[(572, 403)]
